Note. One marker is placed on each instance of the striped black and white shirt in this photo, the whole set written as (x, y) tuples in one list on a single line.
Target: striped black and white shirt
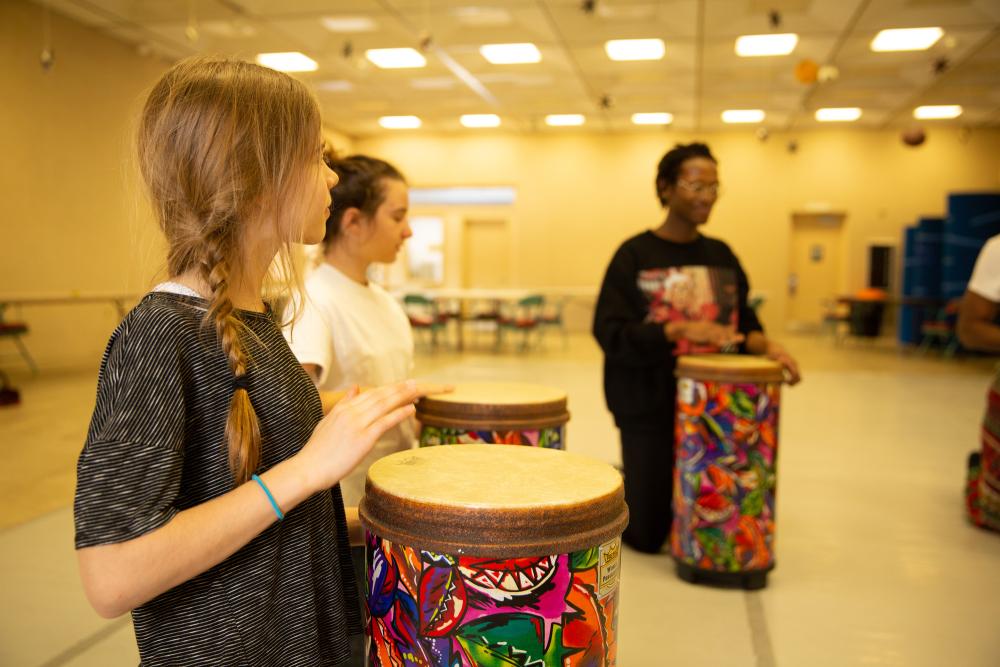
[(156, 446)]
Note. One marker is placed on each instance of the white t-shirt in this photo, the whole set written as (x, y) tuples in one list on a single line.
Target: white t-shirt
[(356, 334), (985, 279)]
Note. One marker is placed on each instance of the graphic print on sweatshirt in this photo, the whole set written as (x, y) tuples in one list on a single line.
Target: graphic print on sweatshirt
[(690, 294)]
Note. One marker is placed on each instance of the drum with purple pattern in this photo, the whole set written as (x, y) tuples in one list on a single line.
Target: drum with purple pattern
[(726, 441), (492, 555)]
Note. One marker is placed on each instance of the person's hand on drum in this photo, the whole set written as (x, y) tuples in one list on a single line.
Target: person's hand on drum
[(704, 332), (352, 427), (781, 355)]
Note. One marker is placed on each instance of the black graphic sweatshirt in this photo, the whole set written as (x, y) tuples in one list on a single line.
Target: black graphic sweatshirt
[(650, 282)]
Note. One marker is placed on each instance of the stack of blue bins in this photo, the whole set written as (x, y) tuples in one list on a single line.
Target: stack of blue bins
[(940, 254), (973, 219), (923, 246)]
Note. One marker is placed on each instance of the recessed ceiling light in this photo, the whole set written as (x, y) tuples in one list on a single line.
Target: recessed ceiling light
[(482, 16), (564, 119), (516, 78), (395, 58), (433, 83), (399, 122), (646, 12), (480, 120), (906, 39), (838, 114), (511, 54), (336, 86), (938, 111), (349, 23), (635, 49), (659, 118), (751, 46), (288, 61), (237, 29), (742, 116)]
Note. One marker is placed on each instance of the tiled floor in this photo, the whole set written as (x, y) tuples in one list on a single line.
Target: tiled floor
[(876, 565)]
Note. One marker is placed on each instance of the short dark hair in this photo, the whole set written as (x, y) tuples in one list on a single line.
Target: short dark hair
[(670, 164), (360, 187)]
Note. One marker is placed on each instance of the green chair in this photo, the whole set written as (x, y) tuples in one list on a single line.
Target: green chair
[(941, 330), (552, 318), (524, 317), (424, 316)]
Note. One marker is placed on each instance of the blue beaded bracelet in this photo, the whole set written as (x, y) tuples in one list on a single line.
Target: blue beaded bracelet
[(267, 492)]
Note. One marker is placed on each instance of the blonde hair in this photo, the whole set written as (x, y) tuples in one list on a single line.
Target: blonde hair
[(220, 144)]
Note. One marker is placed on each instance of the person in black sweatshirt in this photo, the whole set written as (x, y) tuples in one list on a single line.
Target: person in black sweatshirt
[(669, 291)]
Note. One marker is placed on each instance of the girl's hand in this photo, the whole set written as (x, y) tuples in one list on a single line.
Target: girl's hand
[(350, 430)]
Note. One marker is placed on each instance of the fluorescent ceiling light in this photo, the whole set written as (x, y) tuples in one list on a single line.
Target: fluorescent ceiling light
[(482, 16), (395, 58), (399, 122), (511, 54), (839, 114), (939, 111), (652, 118), (336, 86), (237, 29), (906, 39), (742, 116), (564, 119), (289, 61), (433, 83), (751, 46), (348, 23), (480, 120), (635, 49), (638, 13)]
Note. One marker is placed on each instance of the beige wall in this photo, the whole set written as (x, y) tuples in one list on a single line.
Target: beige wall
[(579, 195), (71, 221), (71, 218)]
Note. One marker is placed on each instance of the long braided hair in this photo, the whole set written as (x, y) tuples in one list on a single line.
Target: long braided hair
[(221, 143)]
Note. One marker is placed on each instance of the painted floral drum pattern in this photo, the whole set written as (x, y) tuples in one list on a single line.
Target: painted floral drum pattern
[(492, 556), (983, 480), (724, 475), (443, 610), (551, 438)]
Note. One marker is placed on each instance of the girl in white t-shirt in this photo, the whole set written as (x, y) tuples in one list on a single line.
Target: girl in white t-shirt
[(351, 331)]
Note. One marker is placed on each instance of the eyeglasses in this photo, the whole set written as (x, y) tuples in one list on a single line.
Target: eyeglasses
[(697, 188)]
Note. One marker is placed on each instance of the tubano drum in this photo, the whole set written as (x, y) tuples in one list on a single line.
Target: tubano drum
[(492, 555), (726, 439), (497, 413)]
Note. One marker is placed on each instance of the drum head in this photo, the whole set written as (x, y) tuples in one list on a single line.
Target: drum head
[(494, 500), (504, 405), (730, 368)]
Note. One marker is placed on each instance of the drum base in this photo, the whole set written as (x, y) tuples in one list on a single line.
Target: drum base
[(752, 580)]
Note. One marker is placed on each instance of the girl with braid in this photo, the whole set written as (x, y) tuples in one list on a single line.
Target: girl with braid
[(207, 498)]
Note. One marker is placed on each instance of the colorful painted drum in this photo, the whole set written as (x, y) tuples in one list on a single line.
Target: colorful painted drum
[(983, 487), (495, 412), (724, 476), (492, 555)]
